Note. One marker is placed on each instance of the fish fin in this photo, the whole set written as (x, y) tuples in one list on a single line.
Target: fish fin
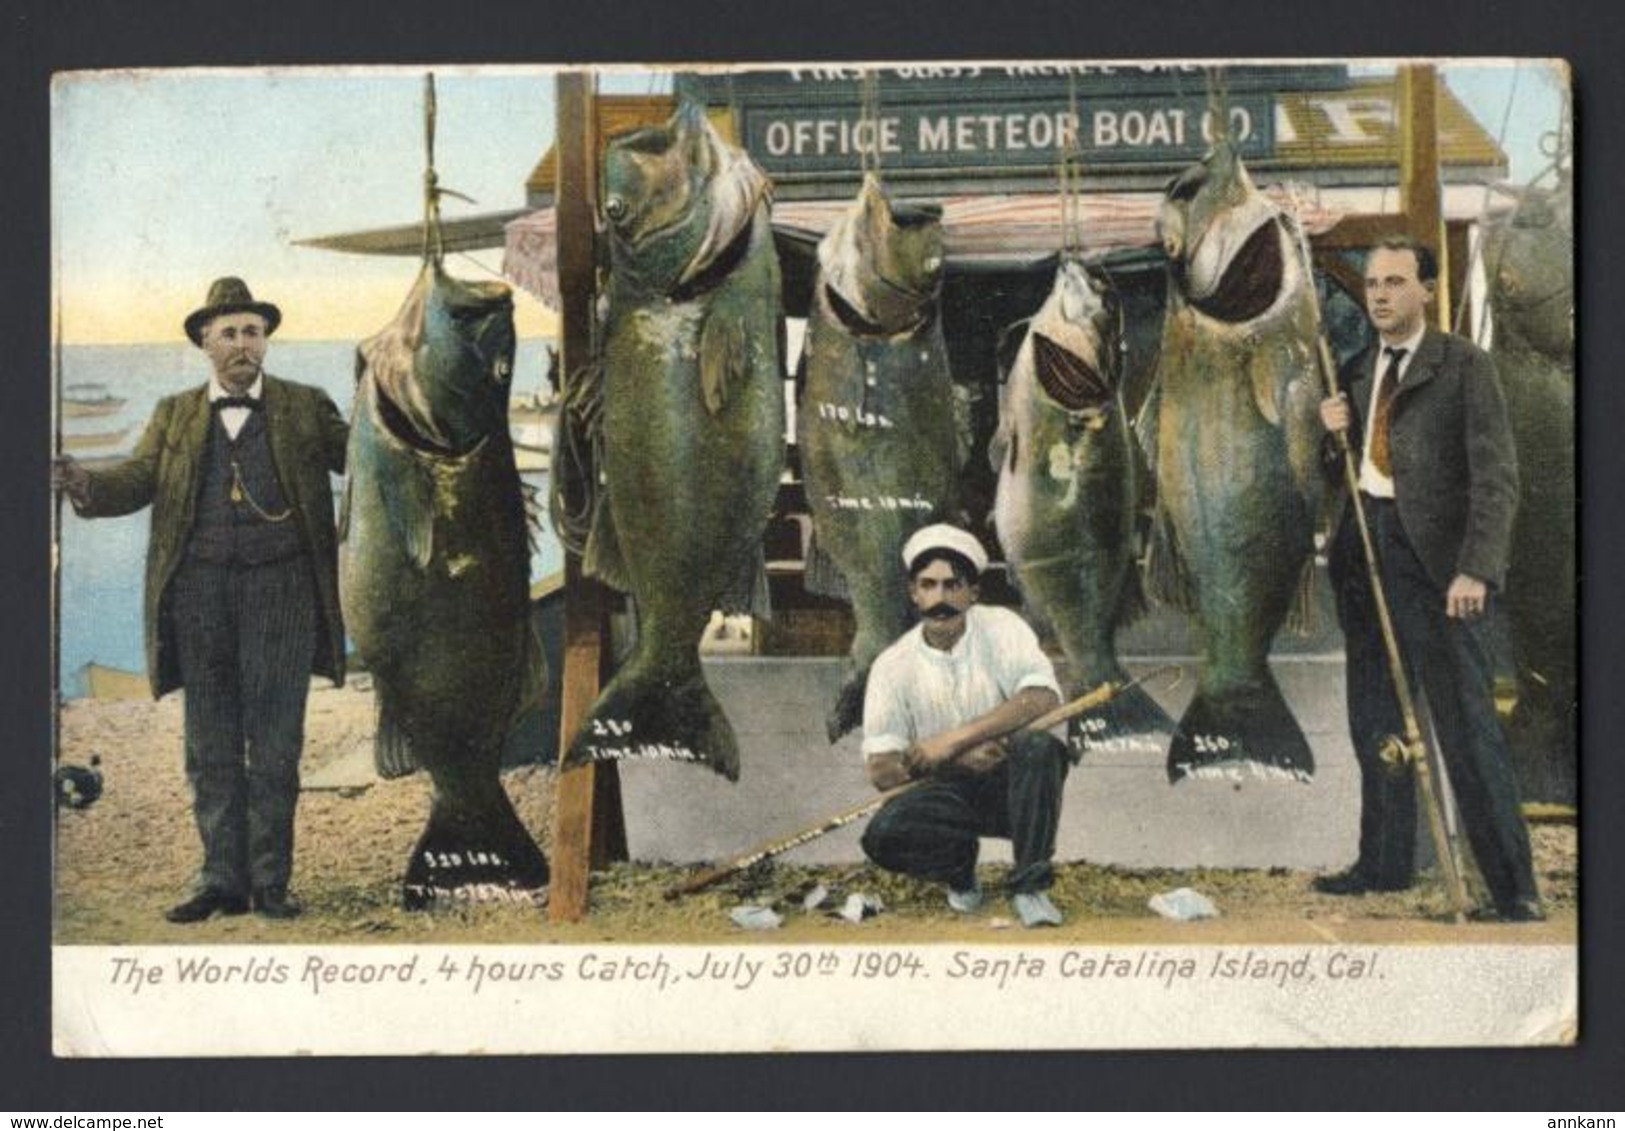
[(1240, 734), (1146, 424), (408, 500), (602, 557), (722, 361), (1131, 601), (821, 576), (1002, 444), (667, 715), (749, 593), (1266, 387), (1300, 614), (344, 509), (534, 680), (1119, 726), (847, 714), (1166, 576), (391, 747), (530, 497), (474, 848)]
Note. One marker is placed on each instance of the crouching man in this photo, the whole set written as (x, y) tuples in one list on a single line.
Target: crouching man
[(946, 703)]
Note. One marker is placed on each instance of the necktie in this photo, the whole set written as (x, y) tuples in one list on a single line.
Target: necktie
[(249, 403), (1385, 405)]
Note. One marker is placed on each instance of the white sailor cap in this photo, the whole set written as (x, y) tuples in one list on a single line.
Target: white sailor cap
[(941, 536)]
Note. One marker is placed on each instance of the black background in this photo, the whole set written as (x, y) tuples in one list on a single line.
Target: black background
[(38, 38)]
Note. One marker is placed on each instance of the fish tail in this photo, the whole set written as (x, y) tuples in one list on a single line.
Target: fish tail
[(821, 576), (1239, 733), (1166, 574), (392, 745), (474, 848), (1118, 725), (646, 713)]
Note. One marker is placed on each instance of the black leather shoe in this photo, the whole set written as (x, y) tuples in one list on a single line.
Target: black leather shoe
[(1352, 881), (1518, 911), (273, 903), (204, 904)]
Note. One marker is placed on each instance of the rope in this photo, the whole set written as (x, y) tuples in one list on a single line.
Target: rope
[(431, 183), (1476, 254)]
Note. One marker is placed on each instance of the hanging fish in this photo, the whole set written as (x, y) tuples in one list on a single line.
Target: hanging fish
[(693, 427), (1237, 439), (1069, 497), (1529, 257), (434, 566), (877, 424)]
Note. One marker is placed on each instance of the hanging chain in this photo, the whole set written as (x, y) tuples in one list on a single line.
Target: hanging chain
[(239, 494)]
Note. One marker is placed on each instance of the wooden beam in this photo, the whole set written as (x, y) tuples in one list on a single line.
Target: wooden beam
[(1420, 197), (588, 826)]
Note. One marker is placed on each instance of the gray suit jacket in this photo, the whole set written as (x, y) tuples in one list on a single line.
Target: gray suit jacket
[(1455, 467)]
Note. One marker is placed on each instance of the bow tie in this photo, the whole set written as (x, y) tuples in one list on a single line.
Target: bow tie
[(250, 403)]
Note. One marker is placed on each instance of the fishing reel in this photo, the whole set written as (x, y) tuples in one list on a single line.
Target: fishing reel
[(1395, 753)]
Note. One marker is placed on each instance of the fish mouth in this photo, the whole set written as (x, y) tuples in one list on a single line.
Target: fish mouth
[(1071, 381), (1251, 281), (398, 423)]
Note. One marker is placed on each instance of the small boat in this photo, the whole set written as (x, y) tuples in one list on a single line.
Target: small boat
[(89, 398), (533, 428), (531, 410), (79, 441)]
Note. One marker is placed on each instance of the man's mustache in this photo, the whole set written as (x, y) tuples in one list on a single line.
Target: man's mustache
[(943, 611)]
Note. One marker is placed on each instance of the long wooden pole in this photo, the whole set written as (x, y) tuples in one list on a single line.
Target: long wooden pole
[(1410, 749), (588, 824)]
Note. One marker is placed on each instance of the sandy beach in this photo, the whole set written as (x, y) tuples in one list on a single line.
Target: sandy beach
[(121, 862)]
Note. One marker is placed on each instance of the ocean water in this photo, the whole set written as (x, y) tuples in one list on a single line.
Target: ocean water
[(103, 560)]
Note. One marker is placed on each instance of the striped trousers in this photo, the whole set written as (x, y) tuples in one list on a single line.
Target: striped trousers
[(244, 636)]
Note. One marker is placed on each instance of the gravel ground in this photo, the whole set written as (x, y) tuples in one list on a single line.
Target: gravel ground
[(129, 856)]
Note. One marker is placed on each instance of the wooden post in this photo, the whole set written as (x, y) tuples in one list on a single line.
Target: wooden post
[(588, 826), (1420, 197)]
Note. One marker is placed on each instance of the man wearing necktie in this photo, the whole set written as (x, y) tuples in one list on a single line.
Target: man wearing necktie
[(241, 588), (1438, 482)]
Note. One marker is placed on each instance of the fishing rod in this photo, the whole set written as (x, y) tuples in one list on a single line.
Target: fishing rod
[(1410, 748), (1100, 696)]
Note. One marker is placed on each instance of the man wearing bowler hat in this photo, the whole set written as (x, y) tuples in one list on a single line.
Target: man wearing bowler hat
[(947, 703), (241, 588)]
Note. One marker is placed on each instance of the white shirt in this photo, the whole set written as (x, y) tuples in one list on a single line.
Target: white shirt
[(235, 418), (1372, 481), (916, 691)]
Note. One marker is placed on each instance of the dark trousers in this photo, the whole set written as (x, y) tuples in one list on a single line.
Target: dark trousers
[(1448, 661), (931, 831), (244, 637)]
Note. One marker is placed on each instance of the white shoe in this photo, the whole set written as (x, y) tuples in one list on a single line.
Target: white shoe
[(1035, 910), (965, 902)]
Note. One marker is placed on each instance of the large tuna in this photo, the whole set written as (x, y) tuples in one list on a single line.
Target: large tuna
[(434, 563), (1069, 496), (1529, 257), (877, 422), (1237, 458), (693, 426)]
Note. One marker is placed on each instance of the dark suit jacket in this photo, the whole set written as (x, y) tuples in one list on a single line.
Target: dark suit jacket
[(1450, 444), (308, 439)]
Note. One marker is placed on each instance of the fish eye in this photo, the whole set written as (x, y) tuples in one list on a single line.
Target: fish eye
[(616, 209)]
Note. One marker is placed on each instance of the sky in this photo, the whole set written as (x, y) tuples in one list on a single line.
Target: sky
[(165, 180)]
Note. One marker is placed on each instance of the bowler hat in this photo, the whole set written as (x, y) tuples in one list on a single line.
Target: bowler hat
[(229, 296)]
